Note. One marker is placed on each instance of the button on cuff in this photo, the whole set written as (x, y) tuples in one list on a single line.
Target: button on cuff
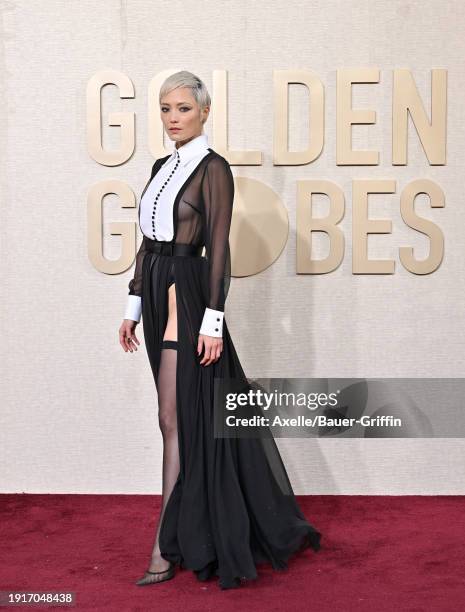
[(212, 323)]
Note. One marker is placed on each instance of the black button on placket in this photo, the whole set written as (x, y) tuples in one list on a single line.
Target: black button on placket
[(159, 193)]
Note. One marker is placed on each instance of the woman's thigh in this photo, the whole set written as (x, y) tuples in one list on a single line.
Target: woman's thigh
[(171, 330)]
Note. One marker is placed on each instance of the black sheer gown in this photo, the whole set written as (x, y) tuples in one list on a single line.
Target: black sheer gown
[(232, 505)]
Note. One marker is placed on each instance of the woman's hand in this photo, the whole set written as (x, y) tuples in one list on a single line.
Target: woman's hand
[(127, 335), (213, 347)]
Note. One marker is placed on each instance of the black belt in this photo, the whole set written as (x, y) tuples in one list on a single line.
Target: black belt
[(171, 248)]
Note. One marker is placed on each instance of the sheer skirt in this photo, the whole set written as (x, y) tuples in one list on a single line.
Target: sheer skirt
[(228, 508)]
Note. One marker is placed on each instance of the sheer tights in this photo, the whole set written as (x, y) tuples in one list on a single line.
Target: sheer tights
[(167, 417)]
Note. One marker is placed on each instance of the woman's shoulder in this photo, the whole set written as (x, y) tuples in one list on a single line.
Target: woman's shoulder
[(157, 164), (216, 163), (216, 159)]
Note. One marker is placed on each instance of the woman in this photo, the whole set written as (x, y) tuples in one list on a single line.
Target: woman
[(224, 508)]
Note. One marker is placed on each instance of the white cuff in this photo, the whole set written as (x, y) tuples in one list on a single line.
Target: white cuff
[(133, 308), (212, 323)]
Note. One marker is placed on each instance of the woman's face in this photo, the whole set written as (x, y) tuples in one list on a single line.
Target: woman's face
[(179, 110)]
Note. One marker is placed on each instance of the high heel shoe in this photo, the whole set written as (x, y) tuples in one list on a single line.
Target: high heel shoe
[(229, 583), (147, 579)]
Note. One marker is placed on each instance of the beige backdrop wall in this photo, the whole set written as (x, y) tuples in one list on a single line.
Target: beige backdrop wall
[(79, 414)]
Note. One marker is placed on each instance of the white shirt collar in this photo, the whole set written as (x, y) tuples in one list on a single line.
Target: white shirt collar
[(191, 149)]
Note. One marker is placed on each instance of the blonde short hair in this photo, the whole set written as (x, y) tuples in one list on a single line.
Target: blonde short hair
[(183, 78)]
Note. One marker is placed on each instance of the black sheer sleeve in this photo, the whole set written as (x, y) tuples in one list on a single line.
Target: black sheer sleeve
[(218, 197), (135, 284)]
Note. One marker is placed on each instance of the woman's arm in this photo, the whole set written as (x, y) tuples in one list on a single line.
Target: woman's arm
[(134, 301), (218, 197), (127, 330)]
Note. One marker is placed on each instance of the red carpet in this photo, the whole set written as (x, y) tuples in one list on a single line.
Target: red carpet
[(378, 553)]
